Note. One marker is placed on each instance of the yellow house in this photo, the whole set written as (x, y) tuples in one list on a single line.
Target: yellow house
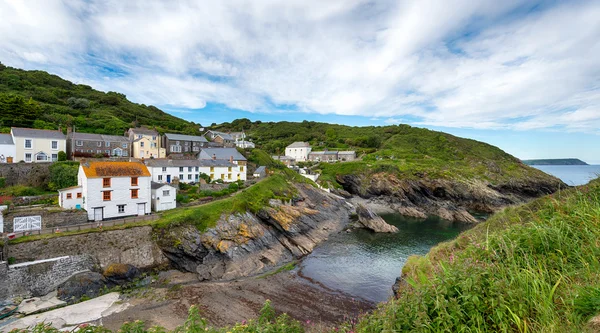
[(145, 143), (35, 145)]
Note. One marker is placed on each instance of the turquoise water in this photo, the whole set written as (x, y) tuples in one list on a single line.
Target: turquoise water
[(572, 174), (366, 264)]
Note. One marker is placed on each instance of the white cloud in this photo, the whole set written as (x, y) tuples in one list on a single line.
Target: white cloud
[(453, 63)]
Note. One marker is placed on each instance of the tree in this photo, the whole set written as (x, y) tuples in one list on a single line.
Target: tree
[(78, 103), (62, 156), (63, 174)]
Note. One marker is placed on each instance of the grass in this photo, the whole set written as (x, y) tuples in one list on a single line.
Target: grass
[(285, 268), (533, 268), (23, 191)]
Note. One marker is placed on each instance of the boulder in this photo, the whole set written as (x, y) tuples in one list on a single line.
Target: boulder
[(88, 284), (372, 221), (121, 273)]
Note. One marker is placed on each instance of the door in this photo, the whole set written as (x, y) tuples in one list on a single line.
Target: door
[(169, 179), (165, 206), (98, 214), (141, 209)]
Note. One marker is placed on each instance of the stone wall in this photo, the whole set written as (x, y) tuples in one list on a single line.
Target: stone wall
[(27, 174), (52, 217), (133, 246), (42, 277)]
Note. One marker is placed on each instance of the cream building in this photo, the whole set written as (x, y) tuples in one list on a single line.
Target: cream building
[(145, 143), (298, 151), (35, 145)]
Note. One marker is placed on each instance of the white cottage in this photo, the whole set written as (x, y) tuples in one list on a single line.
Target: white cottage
[(35, 145), (70, 197), (7, 149), (163, 196), (112, 189), (189, 171), (298, 151)]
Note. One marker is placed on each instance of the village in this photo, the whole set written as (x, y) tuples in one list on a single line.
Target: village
[(135, 175)]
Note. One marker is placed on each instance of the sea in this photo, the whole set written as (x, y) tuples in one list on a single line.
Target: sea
[(572, 174)]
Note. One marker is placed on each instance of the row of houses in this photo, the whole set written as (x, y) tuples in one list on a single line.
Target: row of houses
[(302, 152), (35, 145)]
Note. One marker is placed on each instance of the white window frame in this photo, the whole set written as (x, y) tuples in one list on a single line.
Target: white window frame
[(28, 157), (98, 144), (166, 193), (164, 169), (37, 157), (107, 143), (160, 177), (125, 145), (142, 144), (54, 145), (121, 209), (30, 143), (79, 143), (54, 157)]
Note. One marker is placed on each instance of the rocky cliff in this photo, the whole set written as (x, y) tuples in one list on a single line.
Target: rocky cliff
[(450, 199), (249, 244)]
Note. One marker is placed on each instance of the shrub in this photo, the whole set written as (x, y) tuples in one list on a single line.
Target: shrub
[(62, 156), (2, 182)]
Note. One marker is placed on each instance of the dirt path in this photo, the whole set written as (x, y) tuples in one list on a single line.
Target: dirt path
[(225, 303)]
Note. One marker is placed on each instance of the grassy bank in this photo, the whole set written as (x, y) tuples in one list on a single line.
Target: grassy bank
[(534, 268)]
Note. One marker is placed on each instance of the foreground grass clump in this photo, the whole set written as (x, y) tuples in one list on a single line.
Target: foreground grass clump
[(267, 322), (533, 268)]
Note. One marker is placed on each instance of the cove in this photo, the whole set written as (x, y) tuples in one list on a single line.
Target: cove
[(366, 264)]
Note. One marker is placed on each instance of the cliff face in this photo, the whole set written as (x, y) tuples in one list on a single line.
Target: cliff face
[(249, 244), (449, 199)]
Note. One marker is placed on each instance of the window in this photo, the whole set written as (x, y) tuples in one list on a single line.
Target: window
[(180, 177), (164, 169), (79, 195), (121, 209), (187, 149), (27, 157), (222, 176), (134, 194), (142, 144), (241, 169), (176, 149), (165, 193), (212, 176), (187, 143), (139, 136), (105, 182), (180, 169), (229, 176), (134, 181), (107, 144), (54, 144), (124, 145), (190, 169), (212, 169), (99, 144), (238, 176), (197, 169), (197, 177), (98, 151), (177, 143), (152, 145), (189, 176), (107, 151), (69, 196), (79, 143), (41, 157), (106, 195), (229, 169), (160, 177), (154, 138), (54, 157), (28, 143)]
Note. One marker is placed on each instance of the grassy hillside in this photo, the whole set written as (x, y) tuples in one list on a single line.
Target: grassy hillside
[(41, 100), (556, 161)]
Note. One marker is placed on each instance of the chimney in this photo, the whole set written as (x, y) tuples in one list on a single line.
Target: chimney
[(214, 156), (230, 159), (69, 130)]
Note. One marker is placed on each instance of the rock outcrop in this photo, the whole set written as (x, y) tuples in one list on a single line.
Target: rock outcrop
[(372, 221), (449, 199), (121, 273), (249, 244), (88, 284)]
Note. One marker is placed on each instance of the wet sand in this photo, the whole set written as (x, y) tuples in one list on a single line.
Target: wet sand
[(227, 303)]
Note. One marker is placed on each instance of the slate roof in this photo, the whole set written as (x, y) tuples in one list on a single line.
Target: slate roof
[(37, 133), (183, 137), (261, 169), (144, 131), (156, 186), (114, 169), (346, 152), (326, 152), (97, 137), (221, 154), (6, 139), (299, 144), (160, 163)]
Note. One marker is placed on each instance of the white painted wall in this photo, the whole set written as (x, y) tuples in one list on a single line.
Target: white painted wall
[(299, 154), (8, 151), (120, 195), (38, 145), (2, 218), (161, 200), (160, 176), (72, 203)]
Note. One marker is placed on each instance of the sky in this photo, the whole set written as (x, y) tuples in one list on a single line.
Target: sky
[(521, 75)]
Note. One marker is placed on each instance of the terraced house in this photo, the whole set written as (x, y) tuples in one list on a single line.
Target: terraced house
[(35, 145), (188, 171), (145, 143), (183, 144), (89, 145), (108, 190)]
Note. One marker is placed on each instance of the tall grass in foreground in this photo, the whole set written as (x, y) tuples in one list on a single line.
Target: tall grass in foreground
[(533, 268)]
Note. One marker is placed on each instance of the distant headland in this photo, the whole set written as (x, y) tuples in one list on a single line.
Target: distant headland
[(555, 161)]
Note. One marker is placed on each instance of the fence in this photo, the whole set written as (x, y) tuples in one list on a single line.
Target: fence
[(85, 226)]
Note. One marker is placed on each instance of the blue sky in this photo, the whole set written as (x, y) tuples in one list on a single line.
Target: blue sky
[(522, 75)]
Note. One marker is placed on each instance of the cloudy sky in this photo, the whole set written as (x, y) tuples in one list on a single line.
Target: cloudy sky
[(522, 75)]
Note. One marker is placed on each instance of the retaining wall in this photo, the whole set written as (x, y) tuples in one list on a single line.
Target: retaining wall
[(52, 217), (27, 174), (35, 279)]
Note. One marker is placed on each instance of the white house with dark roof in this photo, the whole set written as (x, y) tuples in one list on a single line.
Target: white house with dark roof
[(110, 190), (163, 196), (35, 145), (298, 151), (8, 150), (188, 171)]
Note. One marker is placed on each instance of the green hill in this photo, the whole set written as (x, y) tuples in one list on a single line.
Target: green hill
[(555, 161), (41, 100)]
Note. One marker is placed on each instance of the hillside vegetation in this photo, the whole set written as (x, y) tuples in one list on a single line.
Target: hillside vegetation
[(37, 99), (556, 161)]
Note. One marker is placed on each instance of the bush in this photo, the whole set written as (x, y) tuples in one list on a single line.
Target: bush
[(62, 156), (2, 182), (78, 103), (63, 174)]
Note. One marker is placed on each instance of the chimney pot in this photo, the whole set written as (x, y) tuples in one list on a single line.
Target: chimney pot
[(231, 159), (214, 156)]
